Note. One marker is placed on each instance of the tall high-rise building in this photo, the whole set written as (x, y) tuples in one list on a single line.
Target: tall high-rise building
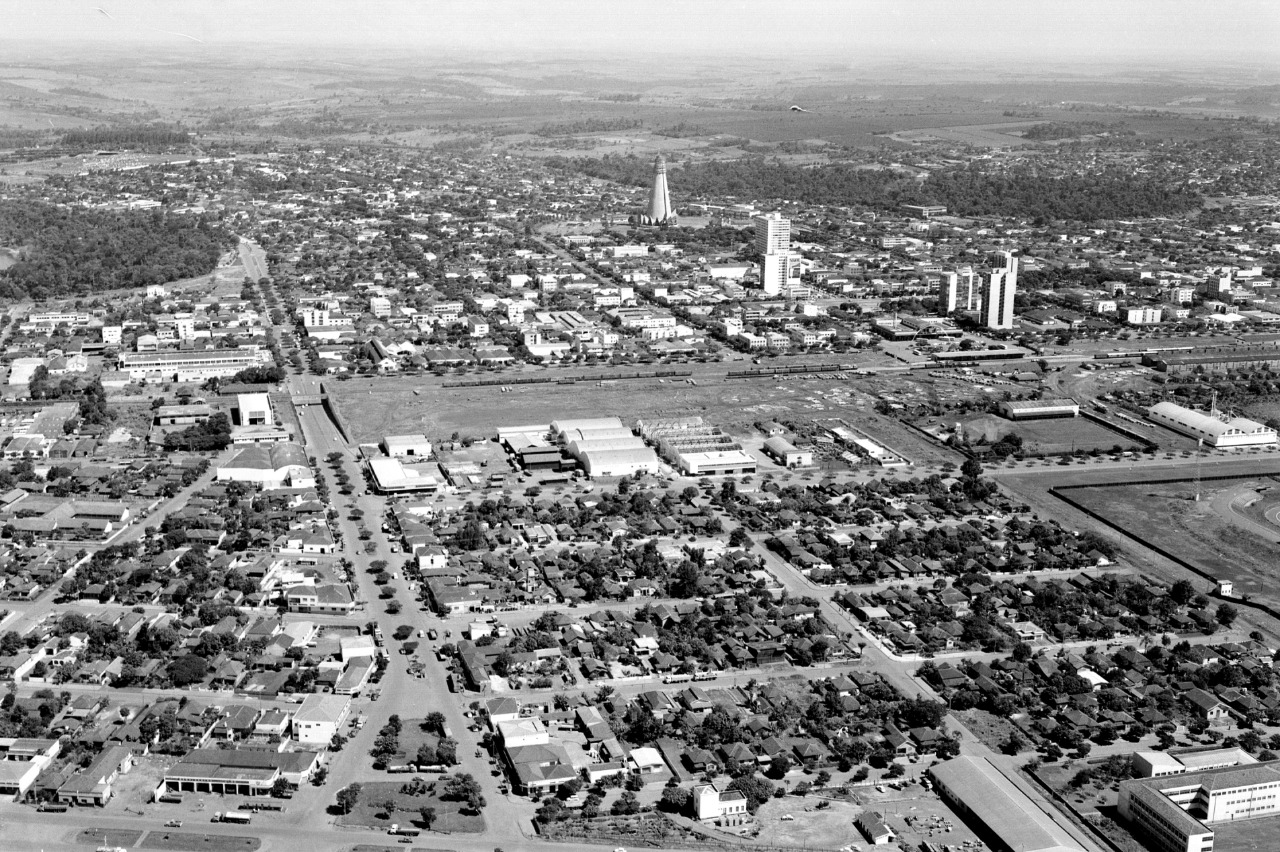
[(773, 233), (1003, 284), (778, 264), (659, 211), (958, 290)]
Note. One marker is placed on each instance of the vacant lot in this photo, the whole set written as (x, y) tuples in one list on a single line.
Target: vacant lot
[(371, 809), (1168, 515)]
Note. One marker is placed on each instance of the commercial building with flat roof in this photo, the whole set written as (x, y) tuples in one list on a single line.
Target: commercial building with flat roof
[(1014, 823), (192, 366), (234, 772)]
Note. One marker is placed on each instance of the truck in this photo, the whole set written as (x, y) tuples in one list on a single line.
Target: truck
[(403, 832), (237, 817), (377, 636)]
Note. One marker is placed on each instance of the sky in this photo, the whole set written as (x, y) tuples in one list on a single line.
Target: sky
[(927, 30)]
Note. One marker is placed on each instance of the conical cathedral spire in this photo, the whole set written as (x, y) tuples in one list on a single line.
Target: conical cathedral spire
[(659, 211)]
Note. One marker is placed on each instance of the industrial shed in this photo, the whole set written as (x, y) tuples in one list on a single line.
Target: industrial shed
[(1039, 409), (1008, 816), (1214, 430), (787, 454), (619, 462), (392, 476)]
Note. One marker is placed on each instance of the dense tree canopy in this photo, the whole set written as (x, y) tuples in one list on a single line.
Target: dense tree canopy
[(970, 191), (78, 251)]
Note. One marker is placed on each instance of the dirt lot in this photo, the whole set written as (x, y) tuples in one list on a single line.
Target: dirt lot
[(134, 788), (369, 811), (829, 828), (373, 408)]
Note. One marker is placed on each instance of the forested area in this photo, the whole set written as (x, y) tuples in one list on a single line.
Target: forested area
[(80, 252), (967, 192), (141, 136)]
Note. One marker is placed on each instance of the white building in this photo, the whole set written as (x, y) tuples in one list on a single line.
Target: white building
[(778, 264), (1145, 315), (958, 291), (1001, 288), (523, 732), (415, 446), (1213, 429), (772, 233), (319, 717), (254, 409), (710, 805), (193, 366), (269, 466)]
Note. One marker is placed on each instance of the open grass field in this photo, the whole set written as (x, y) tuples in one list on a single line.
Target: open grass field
[(371, 812), (1053, 436), (109, 836), (376, 407), (182, 841), (1204, 533)]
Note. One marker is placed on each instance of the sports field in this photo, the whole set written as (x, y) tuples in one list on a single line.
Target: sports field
[(1052, 436)]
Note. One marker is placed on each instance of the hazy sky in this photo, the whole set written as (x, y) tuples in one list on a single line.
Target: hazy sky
[(930, 30)]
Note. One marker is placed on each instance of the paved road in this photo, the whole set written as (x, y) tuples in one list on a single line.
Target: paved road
[(404, 695)]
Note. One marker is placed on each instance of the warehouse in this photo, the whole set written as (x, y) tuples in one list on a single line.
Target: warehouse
[(1011, 820), (787, 454), (1039, 409), (1214, 430), (391, 476), (414, 446), (619, 462), (696, 448), (1223, 359)]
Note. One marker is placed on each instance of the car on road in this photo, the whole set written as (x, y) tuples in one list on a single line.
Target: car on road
[(173, 823)]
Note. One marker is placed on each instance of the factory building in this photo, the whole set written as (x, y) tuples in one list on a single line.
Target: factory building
[(605, 447), (697, 449), (1214, 429)]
